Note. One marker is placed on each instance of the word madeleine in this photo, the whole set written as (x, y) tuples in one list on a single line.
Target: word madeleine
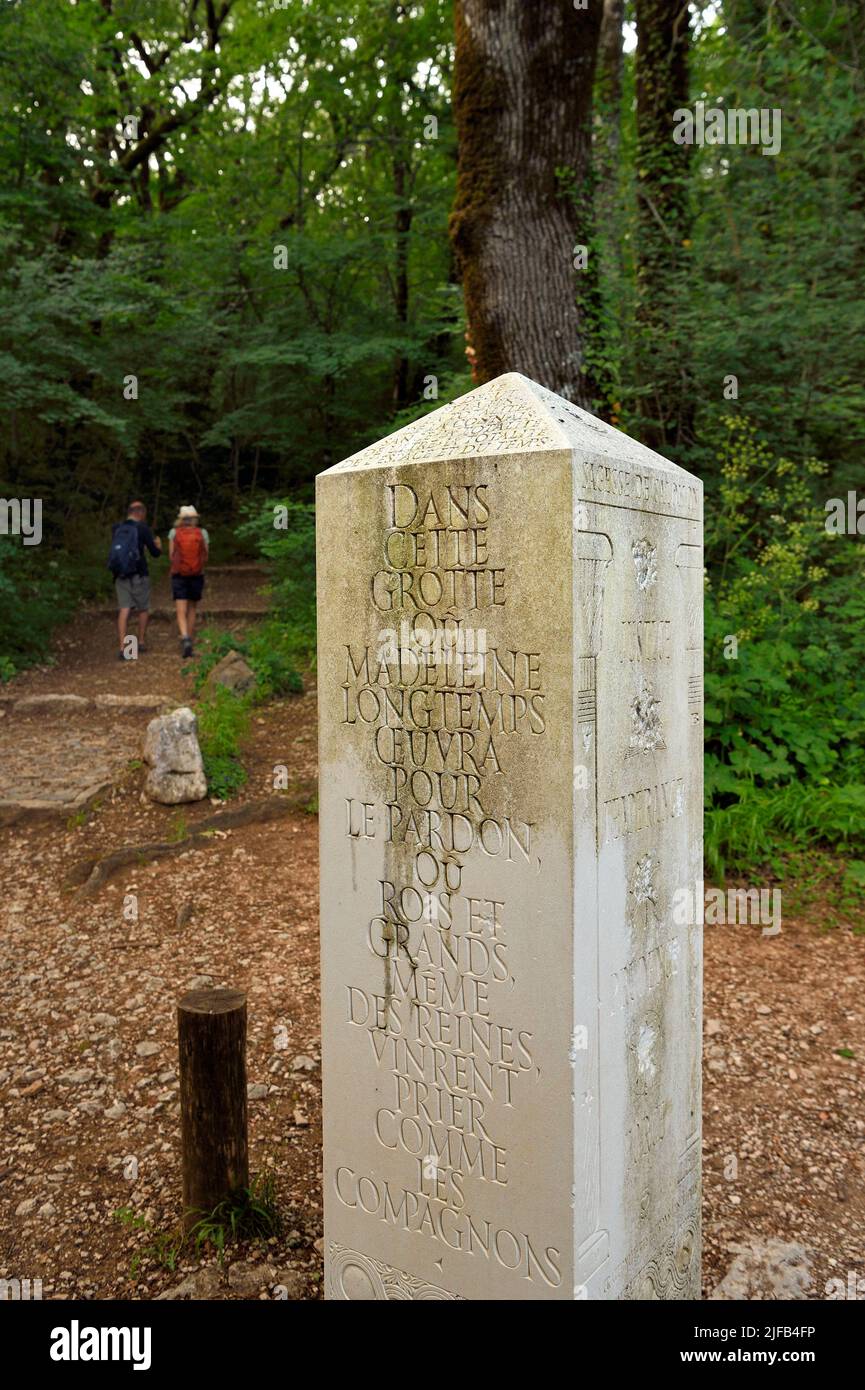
[(510, 1011)]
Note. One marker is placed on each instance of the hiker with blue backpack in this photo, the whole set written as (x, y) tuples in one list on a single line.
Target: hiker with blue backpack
[(127, 561)]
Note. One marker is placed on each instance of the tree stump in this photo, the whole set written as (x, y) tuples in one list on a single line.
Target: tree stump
[(211, 1031)]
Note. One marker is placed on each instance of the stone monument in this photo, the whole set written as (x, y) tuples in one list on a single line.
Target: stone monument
[(510, 702)]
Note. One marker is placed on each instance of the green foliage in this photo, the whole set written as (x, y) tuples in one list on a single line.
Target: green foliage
[(283, 532), (39, 587), (269, 649), (273, 648), (164, 1247), (250, 1213), (785, 643), (212, 644), (223, 723)]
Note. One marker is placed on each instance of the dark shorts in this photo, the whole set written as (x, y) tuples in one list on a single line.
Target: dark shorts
[(188, 586)]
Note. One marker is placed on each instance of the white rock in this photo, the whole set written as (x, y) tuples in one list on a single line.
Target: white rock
[(172, 754), (766, 1269), (148, 1049)]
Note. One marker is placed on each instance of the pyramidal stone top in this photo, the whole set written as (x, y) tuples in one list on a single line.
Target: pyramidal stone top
[(510, 415)]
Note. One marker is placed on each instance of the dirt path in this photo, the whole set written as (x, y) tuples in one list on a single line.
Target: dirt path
[(88, 1083), (88, 1058), (94, 704)]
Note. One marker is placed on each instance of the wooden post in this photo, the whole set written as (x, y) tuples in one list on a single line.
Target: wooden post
[(211, 1032)]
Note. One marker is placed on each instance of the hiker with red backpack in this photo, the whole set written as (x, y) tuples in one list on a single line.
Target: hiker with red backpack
[(190, 545), (127, 561)]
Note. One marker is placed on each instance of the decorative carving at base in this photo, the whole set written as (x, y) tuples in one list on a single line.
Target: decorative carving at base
[(673, 1273), (356, 1276)]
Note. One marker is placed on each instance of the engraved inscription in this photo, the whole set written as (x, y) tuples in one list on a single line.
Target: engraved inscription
[(441, 722)]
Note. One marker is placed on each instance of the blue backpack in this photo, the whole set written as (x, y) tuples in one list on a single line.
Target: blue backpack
[(125, 552)]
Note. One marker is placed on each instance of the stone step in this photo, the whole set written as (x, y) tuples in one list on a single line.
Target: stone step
[(205, 615), (250, 568), (65, 703)]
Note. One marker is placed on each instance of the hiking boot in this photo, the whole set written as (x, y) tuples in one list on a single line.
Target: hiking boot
[(121, 655), (185, 648)]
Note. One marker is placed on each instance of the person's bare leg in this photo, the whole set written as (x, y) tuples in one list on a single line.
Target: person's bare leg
[(143, 619), (191, 610), (181, 608), (122, 622)]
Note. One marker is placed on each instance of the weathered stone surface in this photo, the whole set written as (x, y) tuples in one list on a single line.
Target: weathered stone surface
[(42, 777), (50, 703), (233, 673), (249, 1279), (766, 1269), (131, 702), (202, 1284), (172, 754), (510, 696)]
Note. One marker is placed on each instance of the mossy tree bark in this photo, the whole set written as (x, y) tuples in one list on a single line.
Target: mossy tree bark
[(608, 100), (662, 248), (523, 101)]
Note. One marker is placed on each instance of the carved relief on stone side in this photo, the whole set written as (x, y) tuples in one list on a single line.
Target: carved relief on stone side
[(356, 1276), (646, 733), (645, 564), (593, 552), (689, 567), (672, 1273)]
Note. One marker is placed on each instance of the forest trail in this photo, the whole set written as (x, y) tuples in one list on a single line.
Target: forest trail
[(89, 975), (69, 729)]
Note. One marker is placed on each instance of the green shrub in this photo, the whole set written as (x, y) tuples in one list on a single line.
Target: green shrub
[(223, 723), (289, 550), (39, 589), (272, 651), (212, 645), (268, 649), (785, 715)]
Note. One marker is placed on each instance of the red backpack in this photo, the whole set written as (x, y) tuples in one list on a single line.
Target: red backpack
[(188, 551)]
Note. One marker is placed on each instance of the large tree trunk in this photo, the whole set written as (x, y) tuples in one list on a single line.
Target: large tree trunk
[(402, 228), (523, 101), (608, 99), (662, 188)]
